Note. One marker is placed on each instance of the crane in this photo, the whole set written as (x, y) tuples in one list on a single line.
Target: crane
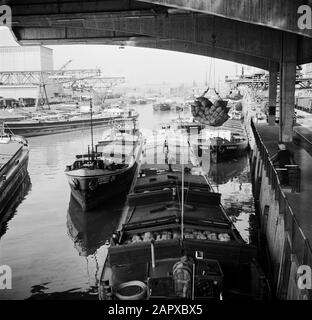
[(65, 65), (43, 84)]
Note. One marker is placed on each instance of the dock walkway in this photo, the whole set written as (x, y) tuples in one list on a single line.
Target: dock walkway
[(301, 203)]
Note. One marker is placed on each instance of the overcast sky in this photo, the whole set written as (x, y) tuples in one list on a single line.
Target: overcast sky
[(138, 65)]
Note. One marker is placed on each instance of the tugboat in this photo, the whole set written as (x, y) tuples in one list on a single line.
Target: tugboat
[(14, 153), (175, 240), (107, 169)]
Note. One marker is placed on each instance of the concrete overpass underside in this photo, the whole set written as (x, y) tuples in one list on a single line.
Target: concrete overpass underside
[(261, 33)]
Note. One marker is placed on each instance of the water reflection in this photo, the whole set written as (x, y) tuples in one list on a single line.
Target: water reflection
[(232, 180), (91, 230), (223, 172), (89, 233), (11, 207)]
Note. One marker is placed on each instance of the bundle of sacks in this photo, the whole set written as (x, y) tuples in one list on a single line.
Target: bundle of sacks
[(206, 235), (175, 234), (213, 112)]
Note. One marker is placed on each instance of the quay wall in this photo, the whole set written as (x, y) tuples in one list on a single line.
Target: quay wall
[(285, 242)]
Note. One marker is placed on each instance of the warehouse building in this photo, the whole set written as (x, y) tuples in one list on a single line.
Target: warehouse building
[(18, 85)]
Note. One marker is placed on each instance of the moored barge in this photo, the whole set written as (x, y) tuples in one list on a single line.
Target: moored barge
[(106, 170), (226, 142), (175, 241), (51, 124), (14, 153)]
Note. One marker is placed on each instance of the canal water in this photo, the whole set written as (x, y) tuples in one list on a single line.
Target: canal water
[(55, 250)]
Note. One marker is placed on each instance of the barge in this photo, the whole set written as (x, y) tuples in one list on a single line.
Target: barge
[(175, 241), (107, 170), (14, 154), (222, 143), (9, 209), (46, 124)]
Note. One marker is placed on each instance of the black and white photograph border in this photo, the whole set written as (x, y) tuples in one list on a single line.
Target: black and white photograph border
[(156, 154)]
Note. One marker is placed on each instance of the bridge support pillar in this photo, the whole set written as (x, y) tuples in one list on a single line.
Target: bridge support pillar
[(272, 97), (287, 86)]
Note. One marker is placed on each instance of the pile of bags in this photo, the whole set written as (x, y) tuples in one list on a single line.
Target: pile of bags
[(175, 234), (209, 112)]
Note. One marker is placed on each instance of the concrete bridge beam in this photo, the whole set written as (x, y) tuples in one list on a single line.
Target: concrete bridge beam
[(233, 36), (54, 36), (193, 33), (249, 27), (277, 14)]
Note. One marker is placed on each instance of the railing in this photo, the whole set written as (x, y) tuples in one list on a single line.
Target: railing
[(298, 242), (292, 173)]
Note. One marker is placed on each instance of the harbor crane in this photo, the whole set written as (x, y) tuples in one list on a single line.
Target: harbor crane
[(66, 64), (75, 78)]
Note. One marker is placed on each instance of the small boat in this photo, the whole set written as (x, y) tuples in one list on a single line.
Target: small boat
[(141, 101), (165, 105), (175, 241), (223, 145), (107, 169), (14, 153), (162, 107), (225, 142)]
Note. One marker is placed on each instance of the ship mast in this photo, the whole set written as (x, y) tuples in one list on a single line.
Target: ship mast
[(182, 201), (91, 123), (182, 196)]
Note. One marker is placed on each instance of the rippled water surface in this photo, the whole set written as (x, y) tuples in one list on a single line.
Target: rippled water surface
[(57, 251)]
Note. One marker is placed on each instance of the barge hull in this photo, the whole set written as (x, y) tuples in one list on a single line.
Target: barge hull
[(46, 128), (89, 199), (8, 191)]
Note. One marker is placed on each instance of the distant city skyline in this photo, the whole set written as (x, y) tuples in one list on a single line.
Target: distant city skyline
[(138, 65)]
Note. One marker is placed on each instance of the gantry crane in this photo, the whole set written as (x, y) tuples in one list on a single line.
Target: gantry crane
[(80, 78)]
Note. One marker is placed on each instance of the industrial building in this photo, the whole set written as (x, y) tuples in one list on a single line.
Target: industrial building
[(26, 58), (17, 65)]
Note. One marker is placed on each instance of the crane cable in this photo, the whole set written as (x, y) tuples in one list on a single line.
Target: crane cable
[(212, 67)]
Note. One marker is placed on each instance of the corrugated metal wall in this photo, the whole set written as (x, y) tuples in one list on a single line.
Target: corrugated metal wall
[(26, 58), (12, 92)]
